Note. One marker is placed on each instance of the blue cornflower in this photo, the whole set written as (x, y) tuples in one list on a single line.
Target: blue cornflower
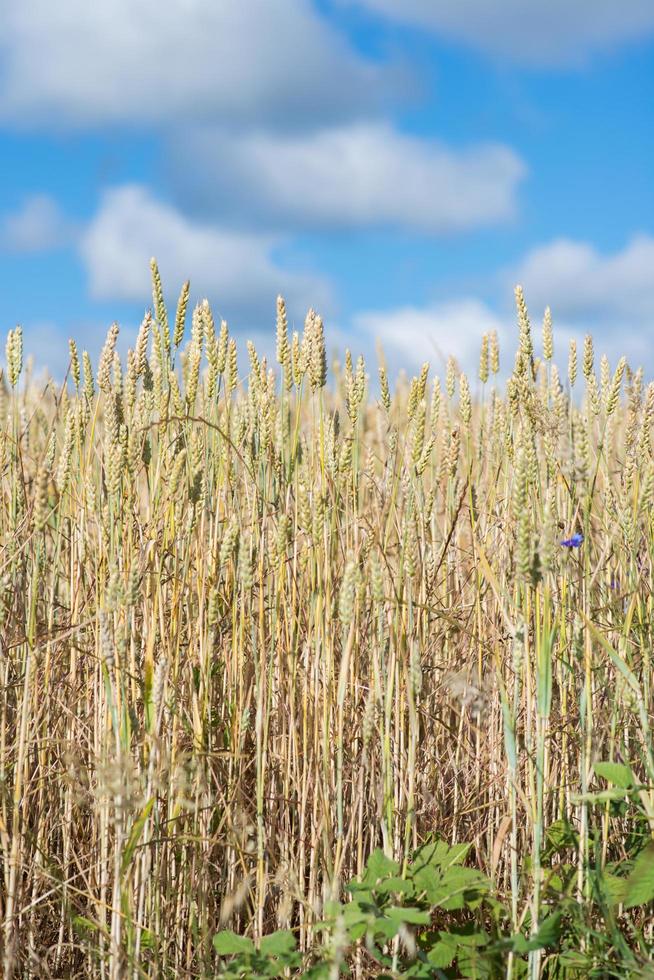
[(574, 542)]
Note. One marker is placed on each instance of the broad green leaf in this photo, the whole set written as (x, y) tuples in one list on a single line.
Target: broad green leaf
[(395, 885), (616, 773), (332, 908), (639, 888), (278, 943), (439, 854), (361, 890), (386, 927), (442, 954), (561, 878), (456, 854), (471, 963), (379, 866), (469, 935), (409, 915), (353, 914), (614, 886), (459, 887), (548, 931), (465, 878), (428, 880), (357, 929), (227, 942), (454, 889), (419, 970)]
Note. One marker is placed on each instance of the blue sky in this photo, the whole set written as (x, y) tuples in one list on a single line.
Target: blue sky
[(398, 164)]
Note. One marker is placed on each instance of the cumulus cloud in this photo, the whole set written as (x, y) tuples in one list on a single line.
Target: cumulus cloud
[(609, 295), (364, 174), (541, 32), (38, 226), (411, 335), (141, 61), (236, 270)]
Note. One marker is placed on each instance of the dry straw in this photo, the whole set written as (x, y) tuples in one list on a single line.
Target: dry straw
[(255, 627)]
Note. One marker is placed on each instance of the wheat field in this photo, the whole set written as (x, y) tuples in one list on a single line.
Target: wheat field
[(256, 624)]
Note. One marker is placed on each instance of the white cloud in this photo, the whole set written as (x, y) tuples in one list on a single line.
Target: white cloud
[(538, 32), (142, 61), (411, 335), (236, 270), (39, 225), (365, 174), (610, 295)]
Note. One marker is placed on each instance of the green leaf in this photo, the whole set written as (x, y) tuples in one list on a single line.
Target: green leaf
[(428, 880), (560, 835), (332, 909), (135, 835), (420, 970), (544, 672), (395, 885), (605, 796), (320, 971), (459, 887), (386, 927), (227, 943), (379, 866), (519, 944), (561, 879), (362, 891), (454, 886), (356, 920), (357, 930), (614, 887), (412, 916), (438, 854), (548, 931), (278, 943), (468, 935), (353, 912), (471, 963), (616, 773), (456, 854), (639, 888), (442, 954)]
